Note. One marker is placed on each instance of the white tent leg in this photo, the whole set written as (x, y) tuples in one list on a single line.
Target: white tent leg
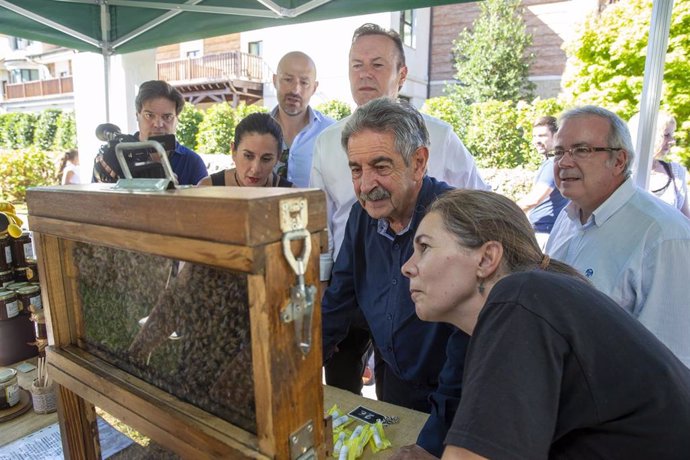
[(651, 90)]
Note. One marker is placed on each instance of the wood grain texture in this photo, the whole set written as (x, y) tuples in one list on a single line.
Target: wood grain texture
[(179, 426), (287, 384), (246, 216), (233, 257)]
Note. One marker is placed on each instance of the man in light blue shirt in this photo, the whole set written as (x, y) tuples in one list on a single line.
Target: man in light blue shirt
[(295, 83), (631, 245)]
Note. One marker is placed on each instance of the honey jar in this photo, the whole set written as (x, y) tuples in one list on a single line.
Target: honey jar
[(9, 388), (22, 250), (9, 305), (6, 278), (5, 253)]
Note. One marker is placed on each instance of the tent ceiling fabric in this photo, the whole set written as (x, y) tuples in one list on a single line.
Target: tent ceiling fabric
[(138, 25)]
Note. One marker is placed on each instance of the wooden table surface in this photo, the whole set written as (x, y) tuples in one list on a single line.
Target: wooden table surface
[(400, 434), (30, 421)]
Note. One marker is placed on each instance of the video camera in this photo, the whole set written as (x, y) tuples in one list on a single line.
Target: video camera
[(137, 159)]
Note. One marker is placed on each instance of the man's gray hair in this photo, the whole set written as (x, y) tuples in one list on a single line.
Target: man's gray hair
[(383, 115), (619, 134)]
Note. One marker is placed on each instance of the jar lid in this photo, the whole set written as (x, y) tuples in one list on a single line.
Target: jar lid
[(16, 286), (19, 269), (5, 295), (7, 374), (6, 272), (28, 290)]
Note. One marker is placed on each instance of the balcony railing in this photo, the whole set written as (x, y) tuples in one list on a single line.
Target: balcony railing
[(230, 65), (39, 88)]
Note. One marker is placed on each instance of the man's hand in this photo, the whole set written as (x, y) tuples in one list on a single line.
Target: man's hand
[(412, 452)]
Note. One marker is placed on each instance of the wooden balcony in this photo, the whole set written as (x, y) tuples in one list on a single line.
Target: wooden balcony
[(229, 76), (39, 88)]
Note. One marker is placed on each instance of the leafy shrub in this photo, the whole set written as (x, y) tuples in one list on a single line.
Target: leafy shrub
[(19, 129), (188, 126), (66, 135), (217, 130), (450, 111), (335, 109), (46, 128), (20, 169)]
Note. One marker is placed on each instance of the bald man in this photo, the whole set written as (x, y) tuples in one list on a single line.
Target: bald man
[(295, 83)]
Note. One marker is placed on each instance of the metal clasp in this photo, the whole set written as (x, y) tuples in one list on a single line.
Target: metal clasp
[(300, 308)]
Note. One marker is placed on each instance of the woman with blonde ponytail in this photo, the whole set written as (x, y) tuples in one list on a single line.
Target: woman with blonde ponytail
[(554, 369)]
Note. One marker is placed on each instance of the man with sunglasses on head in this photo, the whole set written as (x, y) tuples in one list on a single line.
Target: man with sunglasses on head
[(158, 106), (631, 245)]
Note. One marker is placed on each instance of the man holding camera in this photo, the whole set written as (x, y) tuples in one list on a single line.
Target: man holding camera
[(158, 106)]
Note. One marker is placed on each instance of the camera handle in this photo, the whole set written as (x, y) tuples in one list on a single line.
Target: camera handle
[(139, 183)]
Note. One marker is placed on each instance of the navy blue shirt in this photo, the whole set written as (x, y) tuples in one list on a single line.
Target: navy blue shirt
[(187, 165), (367, 275)]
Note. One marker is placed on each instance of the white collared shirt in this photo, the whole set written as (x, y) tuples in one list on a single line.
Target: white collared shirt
[(636, 249), (449, 161)]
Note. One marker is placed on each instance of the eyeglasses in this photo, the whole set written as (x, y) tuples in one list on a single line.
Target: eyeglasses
[(581, 152), (166, 117)]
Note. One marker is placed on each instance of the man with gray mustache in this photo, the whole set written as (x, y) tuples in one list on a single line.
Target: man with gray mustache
[(387, 152)]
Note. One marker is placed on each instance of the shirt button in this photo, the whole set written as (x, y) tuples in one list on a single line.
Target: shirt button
[(389, 348), (395, 281), (389, 316), (396, 246)]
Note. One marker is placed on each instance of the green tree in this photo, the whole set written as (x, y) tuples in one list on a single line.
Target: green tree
[(23, 168), (217, 129), (188, 125), (66, 135), (335, 109), (491, 60), (608, 57), (46, 128)]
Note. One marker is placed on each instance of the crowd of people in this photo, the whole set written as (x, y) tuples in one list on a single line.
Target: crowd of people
[(554, 327)]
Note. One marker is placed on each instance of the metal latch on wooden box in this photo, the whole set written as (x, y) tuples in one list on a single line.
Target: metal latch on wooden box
[(300, 308), (302, 443)]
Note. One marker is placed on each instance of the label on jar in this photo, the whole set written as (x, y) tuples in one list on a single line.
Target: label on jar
[(28, 251), (12, 308), (7, 283), (8, 254), (36, 301), (12, 394)]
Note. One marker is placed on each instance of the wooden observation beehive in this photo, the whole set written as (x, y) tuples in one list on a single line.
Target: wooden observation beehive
[(179, 313)]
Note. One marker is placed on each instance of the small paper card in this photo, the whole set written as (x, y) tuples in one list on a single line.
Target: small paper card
[(25, 367), (366, 415)]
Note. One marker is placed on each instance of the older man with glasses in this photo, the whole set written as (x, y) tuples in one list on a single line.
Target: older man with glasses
[(630, 244)]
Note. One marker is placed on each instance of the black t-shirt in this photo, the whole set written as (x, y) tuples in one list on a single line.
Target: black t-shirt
[(556, 369)]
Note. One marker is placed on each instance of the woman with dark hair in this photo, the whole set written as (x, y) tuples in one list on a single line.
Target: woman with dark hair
[(554, 369), (255, 151), (69, 168)]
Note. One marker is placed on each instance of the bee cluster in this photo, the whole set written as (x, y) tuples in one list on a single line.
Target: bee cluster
[(181, 327)]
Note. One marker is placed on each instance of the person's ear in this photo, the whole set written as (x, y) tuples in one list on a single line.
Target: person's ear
[(420, 160), (275, 81), (402, 77), (490, 257), (620, 161)]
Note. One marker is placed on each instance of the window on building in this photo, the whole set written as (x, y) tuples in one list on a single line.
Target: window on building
[(23, 75), (17, 43), (407, 28), (193, 53), (256, 48)]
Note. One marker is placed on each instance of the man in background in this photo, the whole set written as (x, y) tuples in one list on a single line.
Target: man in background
[(295, 83), (544, 202), (158, 107)]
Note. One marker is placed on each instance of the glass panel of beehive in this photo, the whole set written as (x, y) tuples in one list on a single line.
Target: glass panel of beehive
[(180, 326)]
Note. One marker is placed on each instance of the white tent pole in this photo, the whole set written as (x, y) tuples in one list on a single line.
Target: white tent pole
[(657, 46), (105, 50)]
